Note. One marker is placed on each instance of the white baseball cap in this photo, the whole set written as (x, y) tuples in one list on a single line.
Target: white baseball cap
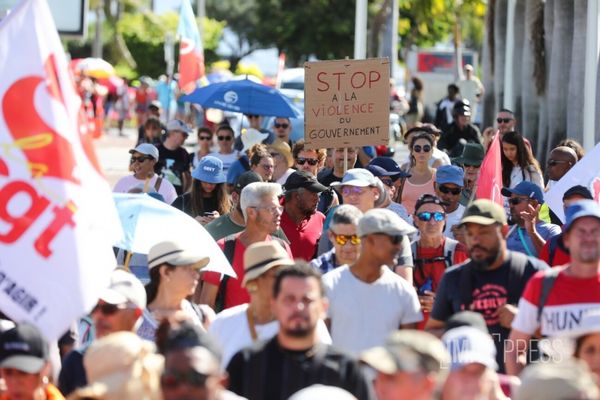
[(147, 149)]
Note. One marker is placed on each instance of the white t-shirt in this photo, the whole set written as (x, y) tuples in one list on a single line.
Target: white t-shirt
[(227, 159), (230, 330), (364, 314), (452, 219), (166, 189)]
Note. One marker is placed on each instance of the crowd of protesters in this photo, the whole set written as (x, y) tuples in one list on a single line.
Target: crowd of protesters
[(385, 280)]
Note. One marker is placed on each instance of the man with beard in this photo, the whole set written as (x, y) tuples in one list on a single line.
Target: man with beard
[(554, 301), (491, 282), (262, 215), (300, 221), (294, 358)]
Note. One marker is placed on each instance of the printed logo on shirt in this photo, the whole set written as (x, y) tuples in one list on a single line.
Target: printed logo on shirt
[(486, 301)]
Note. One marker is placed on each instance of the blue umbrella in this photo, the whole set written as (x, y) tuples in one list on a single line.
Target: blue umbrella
[(243, 96)]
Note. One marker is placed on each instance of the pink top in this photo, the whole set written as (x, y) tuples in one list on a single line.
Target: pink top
[(412, 192)]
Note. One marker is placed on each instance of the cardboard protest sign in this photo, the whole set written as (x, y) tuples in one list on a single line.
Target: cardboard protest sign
[(57, 217), (585, 172), (347, 103)]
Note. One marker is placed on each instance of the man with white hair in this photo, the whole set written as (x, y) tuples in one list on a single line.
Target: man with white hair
[(119, 308), (262, 215)]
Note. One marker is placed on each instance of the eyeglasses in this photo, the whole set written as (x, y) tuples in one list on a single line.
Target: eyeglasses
[(503, 120), (516, 200), (226, 138), (311, 161), (139, 159), (395, 239), (352, 190), (271, 209), (446, 190), (172, 379), (426, 216), (343, 239), (284, 126), (417, 148), (266, 166), (387, 182), (205, 138), (552, 163), (108, 309), (273, 155), (470, 166)]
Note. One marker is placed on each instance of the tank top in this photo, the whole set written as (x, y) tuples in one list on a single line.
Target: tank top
[(412, 192)]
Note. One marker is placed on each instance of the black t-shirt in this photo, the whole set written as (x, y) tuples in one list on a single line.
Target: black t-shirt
[(172, 164), (184, 204), (326, 177), (450, 140), (269, 372), (72, 374), (464, 287)]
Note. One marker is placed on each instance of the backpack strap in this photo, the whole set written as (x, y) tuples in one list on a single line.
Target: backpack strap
[(516, 280), (449, 249), (157, 183), (229, 252), (547, 283), (552, 248)]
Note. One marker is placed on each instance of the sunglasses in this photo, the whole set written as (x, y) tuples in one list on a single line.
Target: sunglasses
[(395, 239), (343, 239), (426, 216), (284, 126), (516, 200), (471, 166), (226, 138), (387, 182), (552, 163), (108, 309), (139, 159), (172, 379), (250, 116), (311, 161), (349, 190), (417, 148), (446, 190), (205, 138), (503, 120)]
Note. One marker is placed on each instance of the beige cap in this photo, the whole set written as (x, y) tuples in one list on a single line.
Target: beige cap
[(408, 351), (262, 256), (570, 379), (484, 212)]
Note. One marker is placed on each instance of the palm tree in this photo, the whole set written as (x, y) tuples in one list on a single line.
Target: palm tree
[(577, 72), (489, 106), (543, 127), (499, 51), (519, 33)]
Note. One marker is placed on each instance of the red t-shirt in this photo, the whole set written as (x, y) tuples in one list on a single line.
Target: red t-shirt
[(235, 293), (304, 236), (434, 270), (567, 300), (561, 256)]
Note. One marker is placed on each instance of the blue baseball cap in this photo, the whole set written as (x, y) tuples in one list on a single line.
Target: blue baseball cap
[(209, 169), (526, 188), (580, 209), (450, 174), (390, 165), (378, 171)]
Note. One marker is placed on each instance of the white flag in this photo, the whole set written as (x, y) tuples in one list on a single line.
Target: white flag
[(585, 172), (57, 217)]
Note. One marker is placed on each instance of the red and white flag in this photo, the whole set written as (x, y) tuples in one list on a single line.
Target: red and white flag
[(191, 51), (57, 217), (280, 68), (489, 184)]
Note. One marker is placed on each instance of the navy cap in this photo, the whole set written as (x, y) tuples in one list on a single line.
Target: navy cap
[(526, 188), (378, 171), (390, 165), (450, 174), (578, 190), (580, 209)]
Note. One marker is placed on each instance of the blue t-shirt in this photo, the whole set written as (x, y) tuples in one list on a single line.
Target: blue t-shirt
[(519, 240), (236, 169)]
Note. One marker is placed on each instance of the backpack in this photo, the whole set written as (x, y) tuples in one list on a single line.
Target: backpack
[(447, 255), (229, 252)]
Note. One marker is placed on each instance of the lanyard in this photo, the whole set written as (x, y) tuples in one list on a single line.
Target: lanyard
[(522, 238)]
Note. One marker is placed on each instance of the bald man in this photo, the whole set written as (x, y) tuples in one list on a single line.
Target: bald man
[(560, 160)]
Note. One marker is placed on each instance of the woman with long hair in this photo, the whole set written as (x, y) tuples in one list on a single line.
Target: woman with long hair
[(422, 175), (261, 162), (174, 275), (207, 198), (518, 163)]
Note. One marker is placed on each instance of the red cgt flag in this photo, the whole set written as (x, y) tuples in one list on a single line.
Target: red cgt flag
[(191, 52), (489, 184)]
